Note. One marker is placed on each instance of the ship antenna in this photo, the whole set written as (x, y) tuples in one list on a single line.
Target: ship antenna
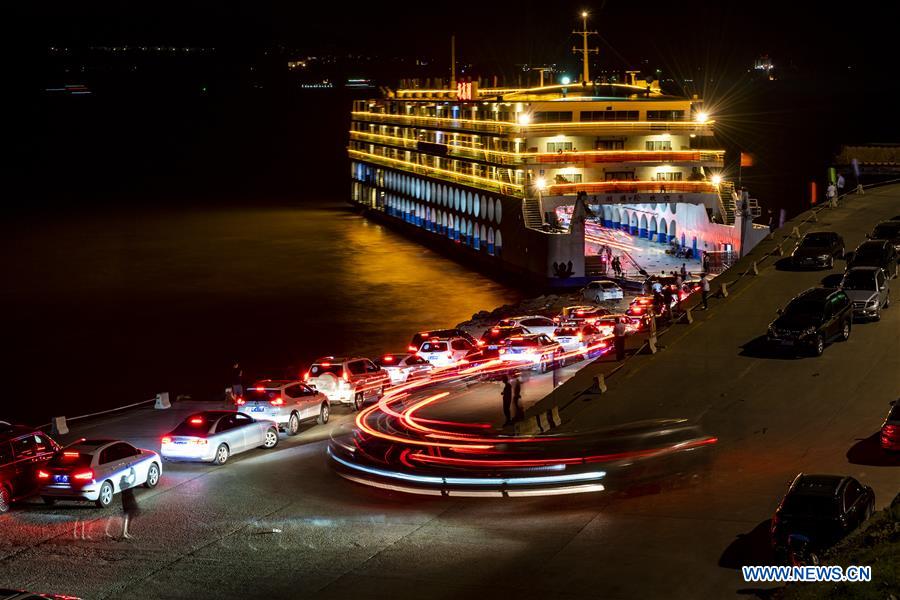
[(452, 62), (585, 51)]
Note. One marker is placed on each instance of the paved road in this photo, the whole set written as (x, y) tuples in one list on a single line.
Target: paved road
[(282, 523)]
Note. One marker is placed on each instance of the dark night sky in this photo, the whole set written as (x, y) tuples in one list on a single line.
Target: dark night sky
[(720, 33)]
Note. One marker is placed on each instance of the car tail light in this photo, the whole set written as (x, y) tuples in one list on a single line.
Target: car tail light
[(277, 401), (43, 475), (196, 421), (345, 376), (240, 401), (579, 336), (83, 475), (388, 358), (602, 345), (325, 364), (306, 376), (482, 343), (411, 348), (71, 454), (502, 351), (166, 440), (890, 430)]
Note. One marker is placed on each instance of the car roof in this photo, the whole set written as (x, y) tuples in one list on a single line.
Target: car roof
[(872, 243), (817, 485), (9, 431), (889, 222), (92, 446), (520, 317), (851, 269), (817, 293)]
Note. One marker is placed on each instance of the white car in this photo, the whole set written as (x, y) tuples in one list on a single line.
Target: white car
[(215, 435), (348, 380), (577, 337), (445, 352), (602, 291), (537, 348), (97, 470), (288, 403), (533, 323), (404, 367)]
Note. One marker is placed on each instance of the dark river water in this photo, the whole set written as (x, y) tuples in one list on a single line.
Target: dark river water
[(109, 309)]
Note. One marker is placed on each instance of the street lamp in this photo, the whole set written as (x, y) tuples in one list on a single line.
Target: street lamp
[(565, 80), (702, 117), (716, 179), (524, 119)]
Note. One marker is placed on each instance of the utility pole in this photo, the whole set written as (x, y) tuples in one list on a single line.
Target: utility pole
[(585, 51), (542, 70)]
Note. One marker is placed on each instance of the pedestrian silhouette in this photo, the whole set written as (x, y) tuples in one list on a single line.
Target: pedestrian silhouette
[(507, 395)]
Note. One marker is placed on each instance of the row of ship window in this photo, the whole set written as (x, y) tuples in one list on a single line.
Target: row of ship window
[(474, 204), (462, 230)]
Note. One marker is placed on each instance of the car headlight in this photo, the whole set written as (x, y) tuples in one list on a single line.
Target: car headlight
[(823, 257), (772, 331), (809, 331), (873, 303)]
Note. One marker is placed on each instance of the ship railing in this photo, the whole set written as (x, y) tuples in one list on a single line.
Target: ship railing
[(632, 187)]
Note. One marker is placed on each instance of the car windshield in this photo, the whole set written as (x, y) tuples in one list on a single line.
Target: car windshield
[(804, 308), (816, 240), (886, 231), (809, 506), (321, 368), (609, 285), (434, 347), (70, 459), (869, 251), (859, 280), (260, 394)]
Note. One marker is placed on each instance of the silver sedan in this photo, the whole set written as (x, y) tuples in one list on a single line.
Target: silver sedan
[(96, 470), (215, 435)]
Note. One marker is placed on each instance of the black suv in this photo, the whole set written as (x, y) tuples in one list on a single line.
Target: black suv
[(887, 230), (875, 253), (818, 249), (822, 508), (23, 450), (812, 319)]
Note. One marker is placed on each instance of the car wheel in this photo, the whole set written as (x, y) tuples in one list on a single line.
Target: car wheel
[(845, 330), (4, 499), (819, 346), (106, 494), (358, 401), (152, 476), (323, 414), (293, 424), (48, 500), (221, 455), (271, 439)]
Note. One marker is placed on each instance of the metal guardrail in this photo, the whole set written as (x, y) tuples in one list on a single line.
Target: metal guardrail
[(99, 413)]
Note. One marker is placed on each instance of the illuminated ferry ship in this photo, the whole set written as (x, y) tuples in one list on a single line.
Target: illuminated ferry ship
[(508, 177)]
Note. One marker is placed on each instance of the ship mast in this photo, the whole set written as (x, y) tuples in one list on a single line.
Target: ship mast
[(585, 51)]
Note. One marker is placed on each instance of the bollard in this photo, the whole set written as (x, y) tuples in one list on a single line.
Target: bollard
[(815, 216), (555, 419), (795, 232), (540, 421), (58, 426), (723, 290), (689, 316), (526, 427), (651, 344), (162, 401), (779, 250), (754, 269), (599, 385)]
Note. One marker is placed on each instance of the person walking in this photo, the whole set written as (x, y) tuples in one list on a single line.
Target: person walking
[(237, 379), (684, 271), (831, 195), (506, 394), (705, 262), (130, 510), (840, 184), (619, 330), (517, 397), (704, 290)]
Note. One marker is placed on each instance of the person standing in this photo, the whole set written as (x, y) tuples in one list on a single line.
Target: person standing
[(831, 195), (840, 184), (705, 264), (619, 330), (506, 394), (704, 290), (517, 397), (130, 510), (237, 379), (684, 271)]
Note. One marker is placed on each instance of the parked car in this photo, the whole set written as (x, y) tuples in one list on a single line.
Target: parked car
[(404, 367), (23, 451), (493, 337), (538, 349), (890, 429), (533, 323), (96, 470), (582, 314), (887, 230), (875, 253), (822, 508), (446, 352), (216, 435), (287, 402), (575, 337), (868, 289), (812, 319), (602, 291), (424, 336), (606, 324), (818, 249), (352, 381)]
